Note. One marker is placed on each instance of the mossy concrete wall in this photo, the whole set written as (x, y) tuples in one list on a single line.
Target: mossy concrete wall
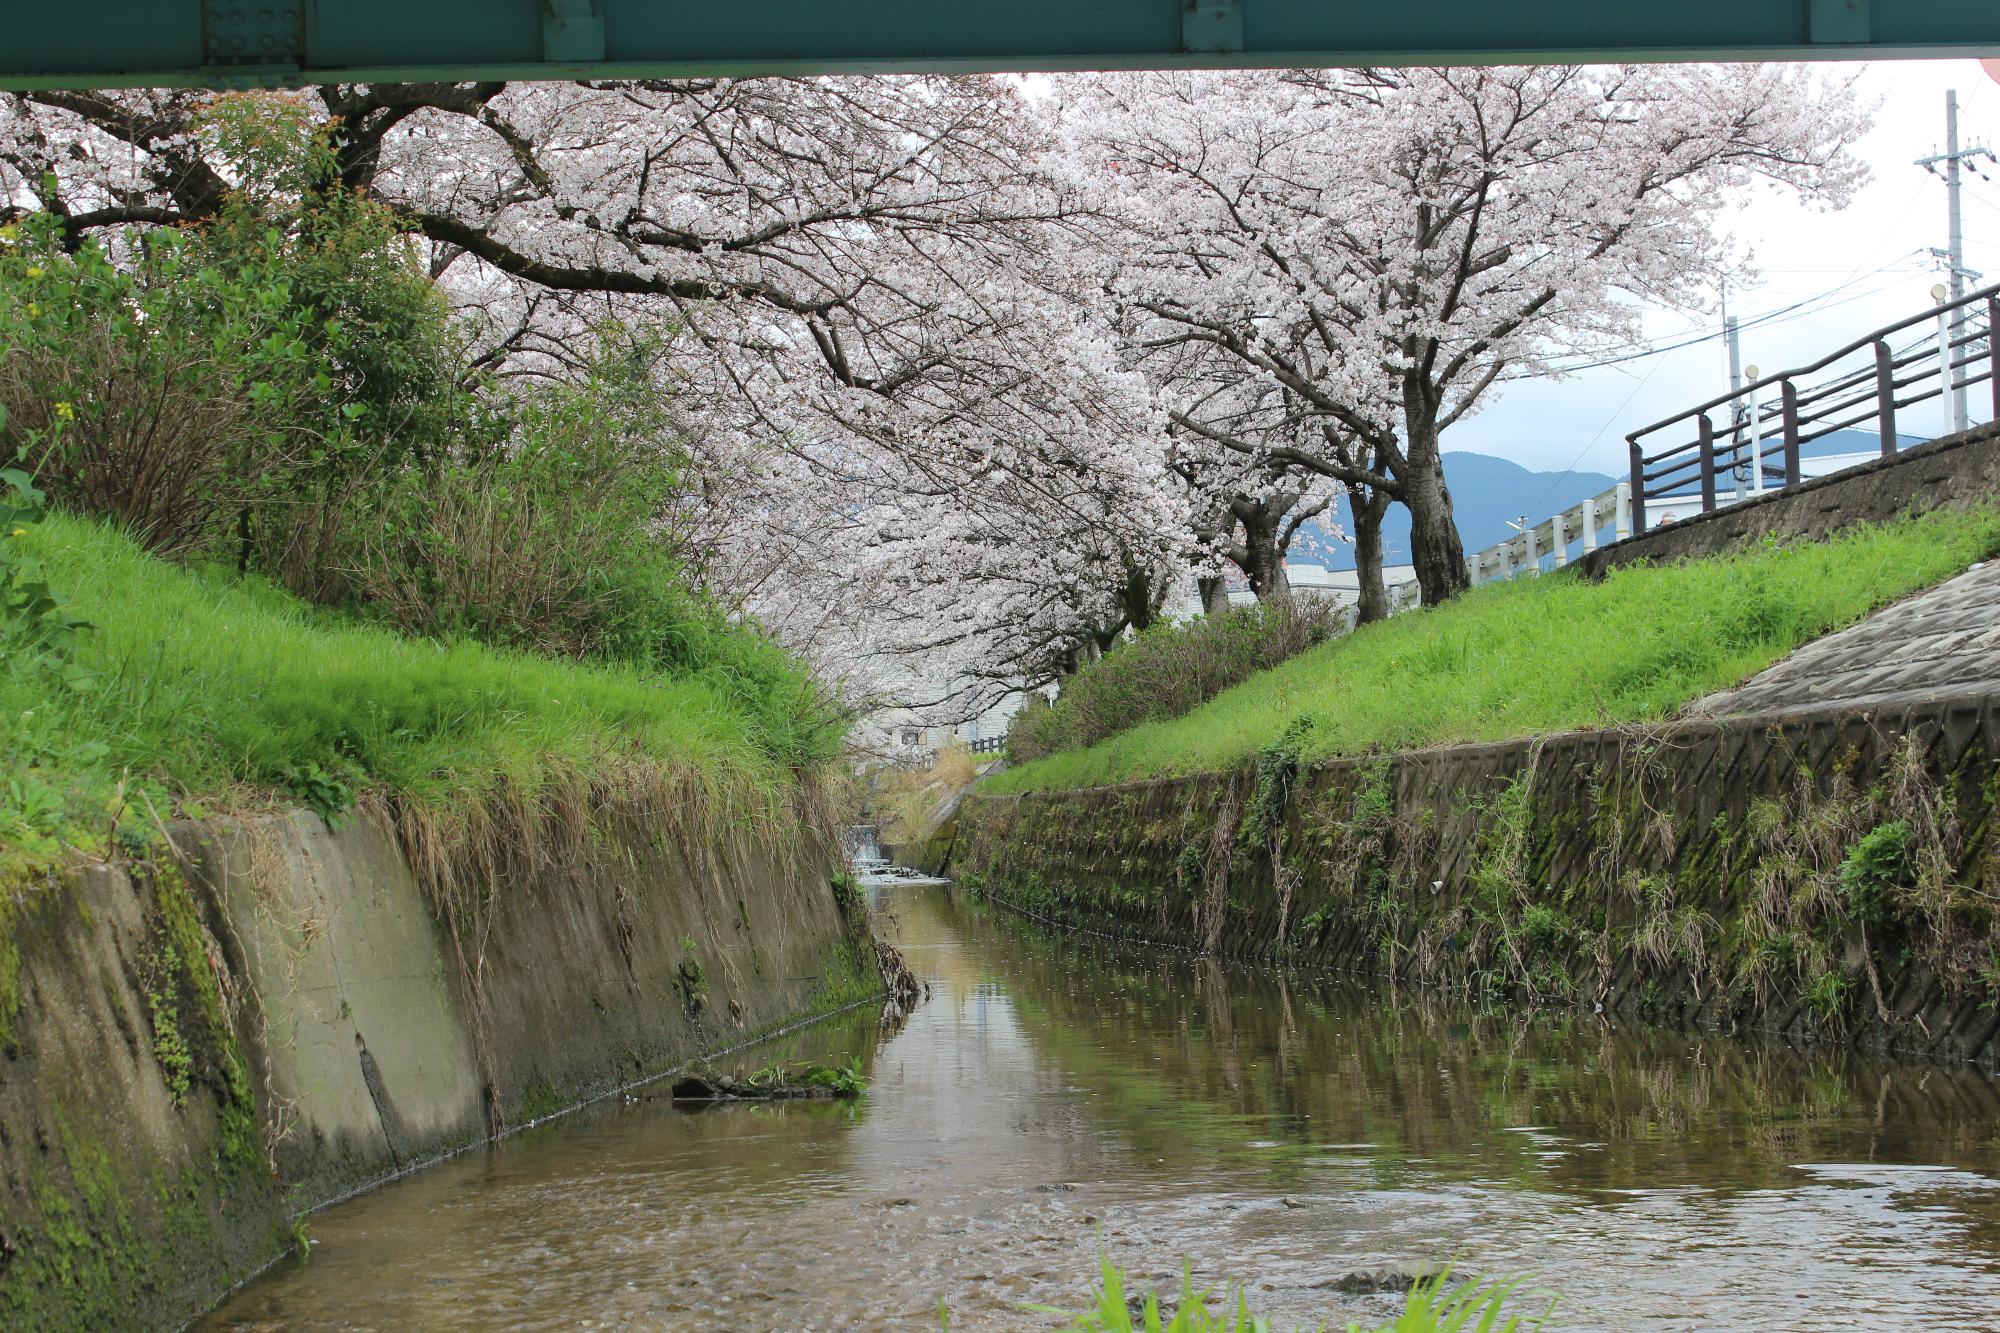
[(198, 1046), (1828, 875)]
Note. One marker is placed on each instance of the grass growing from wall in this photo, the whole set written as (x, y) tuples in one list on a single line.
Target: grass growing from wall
[(905, 799), (198, 687), (1542, 654)]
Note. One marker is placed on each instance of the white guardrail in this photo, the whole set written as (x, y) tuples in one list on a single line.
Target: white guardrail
[(1603, 518)]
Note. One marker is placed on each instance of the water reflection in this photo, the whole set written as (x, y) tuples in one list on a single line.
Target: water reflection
[(1055, 1091)]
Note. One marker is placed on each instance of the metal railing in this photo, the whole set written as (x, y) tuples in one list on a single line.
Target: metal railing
[(1771, 418), (989, 745)]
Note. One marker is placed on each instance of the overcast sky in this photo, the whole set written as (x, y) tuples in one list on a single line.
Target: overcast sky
[(1871, 251)]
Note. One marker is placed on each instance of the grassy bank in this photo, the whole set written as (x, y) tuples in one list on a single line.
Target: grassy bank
[(201, 689), (1536, 655)]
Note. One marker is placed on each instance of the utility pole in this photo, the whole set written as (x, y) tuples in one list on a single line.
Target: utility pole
[(1954, 255), (1736, 413)]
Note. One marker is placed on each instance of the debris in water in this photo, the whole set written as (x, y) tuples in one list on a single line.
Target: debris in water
[(1396, 1279)]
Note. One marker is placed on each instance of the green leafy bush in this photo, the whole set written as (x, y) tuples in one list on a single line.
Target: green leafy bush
[(159, 393), (846, 1080), (550, 538), (329, 793), (1876, 870), (1544, 926), (1166, 671)]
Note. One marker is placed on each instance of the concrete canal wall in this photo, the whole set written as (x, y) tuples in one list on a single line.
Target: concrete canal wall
[(197, 1047), (1814, 854), (1827, 874)]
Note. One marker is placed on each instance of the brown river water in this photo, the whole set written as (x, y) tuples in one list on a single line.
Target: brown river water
[(1057, 1094)]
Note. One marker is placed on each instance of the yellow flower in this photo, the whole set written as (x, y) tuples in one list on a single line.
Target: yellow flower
[(65, 412), (17, 532), (34, 270), (33, 310)]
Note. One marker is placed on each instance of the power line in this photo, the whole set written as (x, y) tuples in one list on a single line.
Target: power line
[(1616, 413), (1755, 321), (1817, 304)]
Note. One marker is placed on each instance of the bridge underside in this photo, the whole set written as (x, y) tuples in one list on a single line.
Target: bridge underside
[(112, 43)]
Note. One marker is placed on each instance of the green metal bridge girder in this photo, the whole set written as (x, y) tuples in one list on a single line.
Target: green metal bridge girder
[(238, 43)]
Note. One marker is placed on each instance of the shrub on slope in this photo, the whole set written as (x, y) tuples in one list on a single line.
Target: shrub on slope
[(1167, 671)]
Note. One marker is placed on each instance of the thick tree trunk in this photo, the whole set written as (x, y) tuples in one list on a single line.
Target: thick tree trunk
[(1435, 548), (1265, 567), (1368, 505), (1135, 596)]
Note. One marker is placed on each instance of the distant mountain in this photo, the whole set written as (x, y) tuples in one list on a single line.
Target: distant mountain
[(1487, 491)]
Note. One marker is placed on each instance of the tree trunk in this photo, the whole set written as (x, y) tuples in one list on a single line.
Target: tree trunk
[(1135, 596), (1435, 548), (1214, 594), (1265, 567), (1368, 505)]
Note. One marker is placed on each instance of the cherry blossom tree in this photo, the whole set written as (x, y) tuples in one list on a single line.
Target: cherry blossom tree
[(1384, 246), (906, 412), (1246, 502)]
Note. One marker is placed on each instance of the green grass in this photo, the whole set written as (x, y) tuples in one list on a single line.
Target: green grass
[(199, 688), (1435, 1305), (1542, 654)]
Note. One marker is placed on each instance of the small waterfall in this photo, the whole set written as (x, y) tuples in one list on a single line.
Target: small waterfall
[(863, 851), (870, 867)]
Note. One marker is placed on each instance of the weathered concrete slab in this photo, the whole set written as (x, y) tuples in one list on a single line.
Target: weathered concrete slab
[(366, 1044), (1941, 643)]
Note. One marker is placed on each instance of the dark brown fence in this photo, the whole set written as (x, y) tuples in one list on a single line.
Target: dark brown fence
[(1768, 420)]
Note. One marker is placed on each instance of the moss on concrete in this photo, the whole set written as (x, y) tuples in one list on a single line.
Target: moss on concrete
[(188, 1028), (10, 973), (1727, 873)]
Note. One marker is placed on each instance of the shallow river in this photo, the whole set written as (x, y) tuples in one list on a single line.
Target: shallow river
[(1055, 1094)]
